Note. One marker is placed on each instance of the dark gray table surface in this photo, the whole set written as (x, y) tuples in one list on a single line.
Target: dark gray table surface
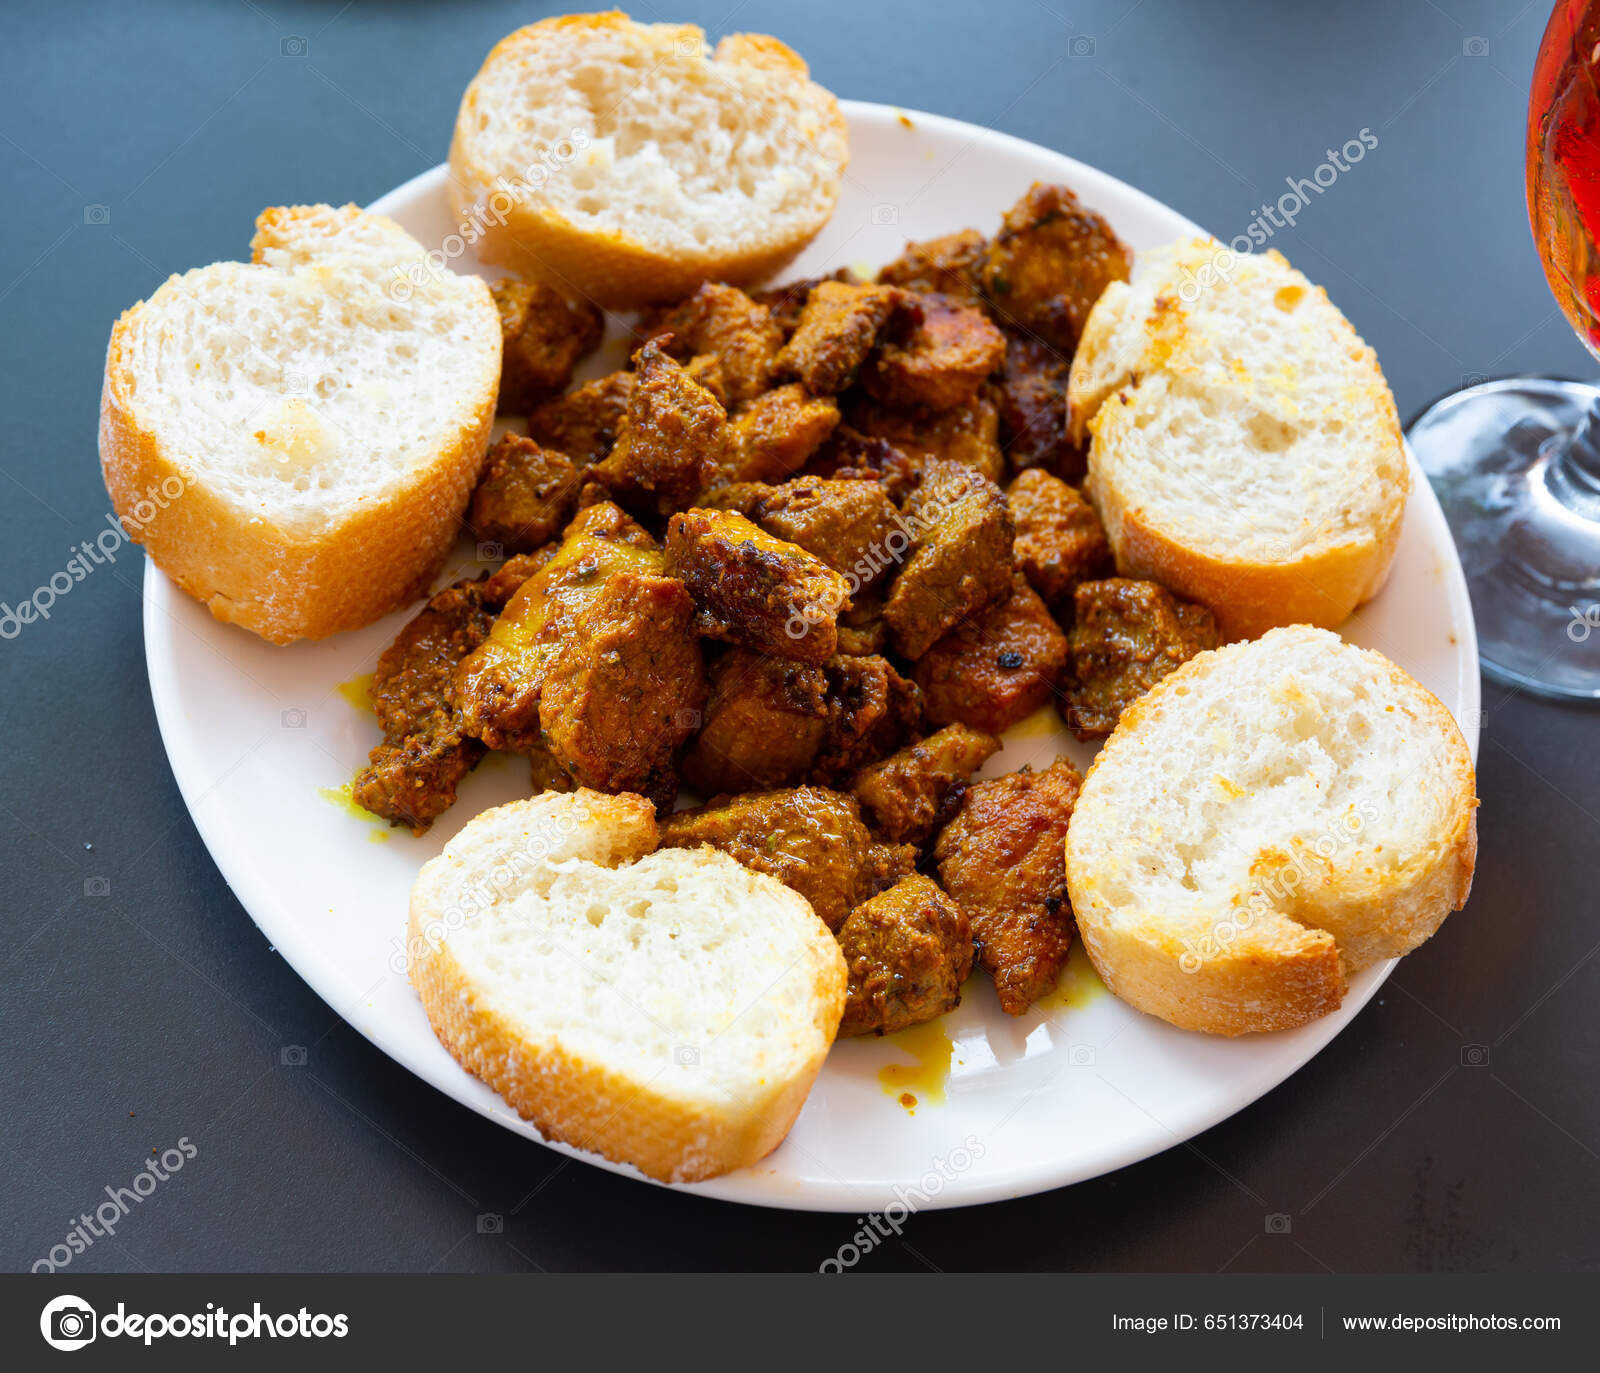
[(1453, 1125)]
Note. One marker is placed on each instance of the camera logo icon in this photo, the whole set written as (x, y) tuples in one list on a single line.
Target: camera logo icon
[(1081, 46), (491, 1224), (292, 1056), (1474, 1055), (491, 552), (292, 46), (67, 1322), (97, 886), (1279, 1224), (1081, 1056), (686, 1056), (293, 719), (885, 214), (1476, 46), (97, 214)]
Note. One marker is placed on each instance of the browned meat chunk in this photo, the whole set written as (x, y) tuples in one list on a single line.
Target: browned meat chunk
[(862, 631), (1003, 861), (852, 526), (672, 442), (908, 951), (967, 433), (585, 422), (1126, 637), (526, 497), (996, 668), (623, 691), (837, 329), (961, 561), (946, 266), (764, 723), (1059, 539), (413, 773), (850, 455), (754, 589), (913, 793), (725, 322), (788, 302), (593, 660), (1049, 263), (872, 711), (941, 361), (776, 434), (543, 334), (503, 584), (1033, 408), (809, 838)]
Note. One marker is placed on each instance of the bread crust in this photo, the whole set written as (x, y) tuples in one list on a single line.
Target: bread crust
[(588, 1105), (1248, 597), (1286, 967), (280, 583), (610, 268)]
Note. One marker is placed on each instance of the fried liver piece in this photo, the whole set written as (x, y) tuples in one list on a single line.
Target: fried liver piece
[(1049, 263), (585, 422), (850, 455), (1126, 637), (961, 561), (672, 441), (764, 722), (724, 322), (1032, 395), (915, 792), (966, 433), (593, 660), (850, 525), (940, 361), (995, 668), (788, 302), (872, 711), (1060, 541), (908, 950), (776, 434), (1002, 859), (838, 328), (412, 775), (526, 497), (624, 689), (946, 266), (754, 589), (542, 337), (809, 838)]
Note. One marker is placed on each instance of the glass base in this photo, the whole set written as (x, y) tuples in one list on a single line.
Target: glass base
[(1526, 525)]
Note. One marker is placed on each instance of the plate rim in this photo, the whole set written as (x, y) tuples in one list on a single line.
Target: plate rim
[(758, 1185)]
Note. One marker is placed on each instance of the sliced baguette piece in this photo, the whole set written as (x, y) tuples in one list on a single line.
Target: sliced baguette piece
[(625, 163), (668, 1009), (294, 439), (1270, 818), (1245, 450)]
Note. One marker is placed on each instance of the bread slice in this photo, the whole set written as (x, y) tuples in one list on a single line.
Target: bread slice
[(621, 162), (1245, 447), (294, 439), (668, 1009), (1270, 818)]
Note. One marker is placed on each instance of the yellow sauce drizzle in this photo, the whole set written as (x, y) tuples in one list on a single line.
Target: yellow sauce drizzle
[(1079, 986), (358, 691), (341, 797), (932, 1049)]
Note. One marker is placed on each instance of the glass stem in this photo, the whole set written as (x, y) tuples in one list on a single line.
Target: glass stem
[(1573, 474)]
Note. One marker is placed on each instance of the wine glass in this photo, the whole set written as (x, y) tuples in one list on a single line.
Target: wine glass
[(1516, 462)]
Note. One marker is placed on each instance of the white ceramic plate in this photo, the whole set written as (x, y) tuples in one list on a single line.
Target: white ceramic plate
[(257, 735)]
